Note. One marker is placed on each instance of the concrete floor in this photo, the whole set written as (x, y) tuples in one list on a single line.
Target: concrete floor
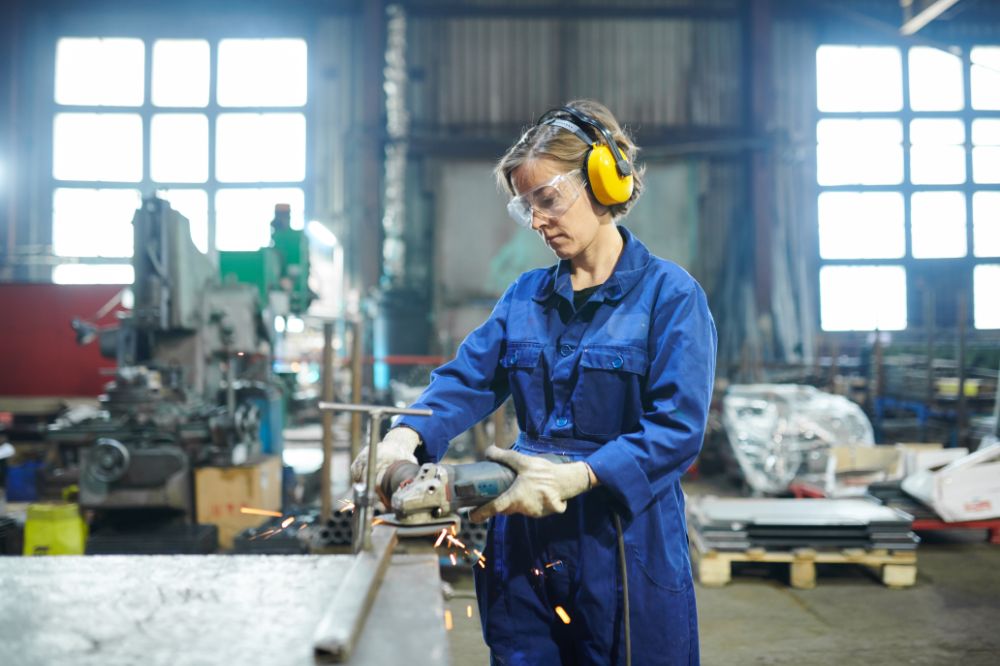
[(951, 616)]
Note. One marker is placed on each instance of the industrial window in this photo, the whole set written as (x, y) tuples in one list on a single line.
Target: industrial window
[(218, 128), (908, 168)]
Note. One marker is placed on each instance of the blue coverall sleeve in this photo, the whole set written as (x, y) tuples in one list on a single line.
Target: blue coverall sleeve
[(466, 389), (639, 467)]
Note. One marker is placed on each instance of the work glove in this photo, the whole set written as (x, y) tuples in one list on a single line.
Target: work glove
[(398, 444), (540, 489)]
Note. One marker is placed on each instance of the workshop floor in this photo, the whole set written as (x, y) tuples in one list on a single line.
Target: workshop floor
[(950, 616)]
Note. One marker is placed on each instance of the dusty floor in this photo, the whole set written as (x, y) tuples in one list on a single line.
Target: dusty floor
[(951, 616)]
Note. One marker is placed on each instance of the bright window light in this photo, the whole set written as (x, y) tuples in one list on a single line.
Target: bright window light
[(985, 77), (856, 225), (986, 150), (93, 223), (93, 274), (935, 80), (243, 216), (100, 71), (258, 147), (179, 148), (295, 325), (859, 152), (986, 224), (97, 147), (262, 72), (938, 225), (859, 78), (862, 298), (320, 233), (192, 204), (986, 305), (937, 155), (180, 72)]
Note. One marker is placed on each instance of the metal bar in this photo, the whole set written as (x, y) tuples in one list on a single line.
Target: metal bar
[(326, 490), (338, 631), (373, 409), (357, 354), (926, 15), (365, 510)]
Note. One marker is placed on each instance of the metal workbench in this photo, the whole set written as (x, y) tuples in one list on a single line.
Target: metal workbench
[(182, 610)]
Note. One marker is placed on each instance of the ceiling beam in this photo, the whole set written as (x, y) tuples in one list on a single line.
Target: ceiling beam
[(912, 24)]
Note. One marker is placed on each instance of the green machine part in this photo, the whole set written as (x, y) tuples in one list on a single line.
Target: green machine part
[(260, 268), (292, 247)]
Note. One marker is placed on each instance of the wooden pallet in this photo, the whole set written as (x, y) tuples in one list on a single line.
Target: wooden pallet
[(714, 567)]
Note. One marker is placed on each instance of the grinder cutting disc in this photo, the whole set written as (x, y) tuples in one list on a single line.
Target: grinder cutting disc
[(430, 527)]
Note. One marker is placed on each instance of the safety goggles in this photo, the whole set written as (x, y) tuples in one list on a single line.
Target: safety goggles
[(550, 200)]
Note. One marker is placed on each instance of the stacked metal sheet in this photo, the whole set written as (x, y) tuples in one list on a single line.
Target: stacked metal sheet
[(787, 524)]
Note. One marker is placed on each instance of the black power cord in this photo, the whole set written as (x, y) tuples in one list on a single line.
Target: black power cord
[(624, 569)]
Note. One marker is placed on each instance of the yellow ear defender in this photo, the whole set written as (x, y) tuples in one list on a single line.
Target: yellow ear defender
[(605, 168)]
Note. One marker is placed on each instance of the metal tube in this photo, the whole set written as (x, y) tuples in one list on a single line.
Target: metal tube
[(374, 429), (372, 409), (326, 483), (357, 356)]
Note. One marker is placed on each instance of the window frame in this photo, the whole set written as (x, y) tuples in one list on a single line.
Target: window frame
[(213, 30), (916, 268)]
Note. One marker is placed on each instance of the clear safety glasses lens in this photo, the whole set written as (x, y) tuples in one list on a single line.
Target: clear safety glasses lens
[(550, 200)]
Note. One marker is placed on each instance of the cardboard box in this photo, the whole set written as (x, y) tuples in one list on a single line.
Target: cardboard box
[(918, 457), (220, 493), (851, 469)]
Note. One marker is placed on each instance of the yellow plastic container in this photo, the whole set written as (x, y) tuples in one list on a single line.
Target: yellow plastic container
[(54, 529)]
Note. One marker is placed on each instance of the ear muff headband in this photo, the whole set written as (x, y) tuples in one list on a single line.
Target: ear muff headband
[(606, 168)]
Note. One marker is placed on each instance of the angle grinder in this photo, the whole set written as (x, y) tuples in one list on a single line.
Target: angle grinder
[(432, 494)]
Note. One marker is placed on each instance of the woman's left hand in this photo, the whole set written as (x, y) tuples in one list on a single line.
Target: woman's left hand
[(540, 489)]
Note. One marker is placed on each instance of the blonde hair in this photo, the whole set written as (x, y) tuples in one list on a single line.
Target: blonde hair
[(562, 146)]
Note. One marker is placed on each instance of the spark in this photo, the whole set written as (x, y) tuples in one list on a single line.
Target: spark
[(454, 561), (537, 572), (454, 530), (482, 564), (260, 512), (563, 615), (455, 542), (287, 521), (468, 611), (303, 526), (348, 506), (441, 536), (480, 556), (448, 623), (553, 564)]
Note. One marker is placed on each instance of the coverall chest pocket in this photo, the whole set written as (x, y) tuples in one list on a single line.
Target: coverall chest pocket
[(522, 361), (607, 394)]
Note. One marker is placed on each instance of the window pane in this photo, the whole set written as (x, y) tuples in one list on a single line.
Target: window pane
[(986, 224), (935, 80), (100, 72), (986, 150), (851, 78), (243, 216), (259, 147), (937, 154), (93, 223), (986, 164), (179, 148), (192, 204), (985, 77), (93, 274), (97, 146), (262, 72), (986, 305), (938, 224), (180, 72), (855, 225), (862, 298), (859, 152)]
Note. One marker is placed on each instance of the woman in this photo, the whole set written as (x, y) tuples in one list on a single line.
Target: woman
[(609, 356)]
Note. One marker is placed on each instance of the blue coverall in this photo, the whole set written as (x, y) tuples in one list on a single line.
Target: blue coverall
[(623, 383)]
